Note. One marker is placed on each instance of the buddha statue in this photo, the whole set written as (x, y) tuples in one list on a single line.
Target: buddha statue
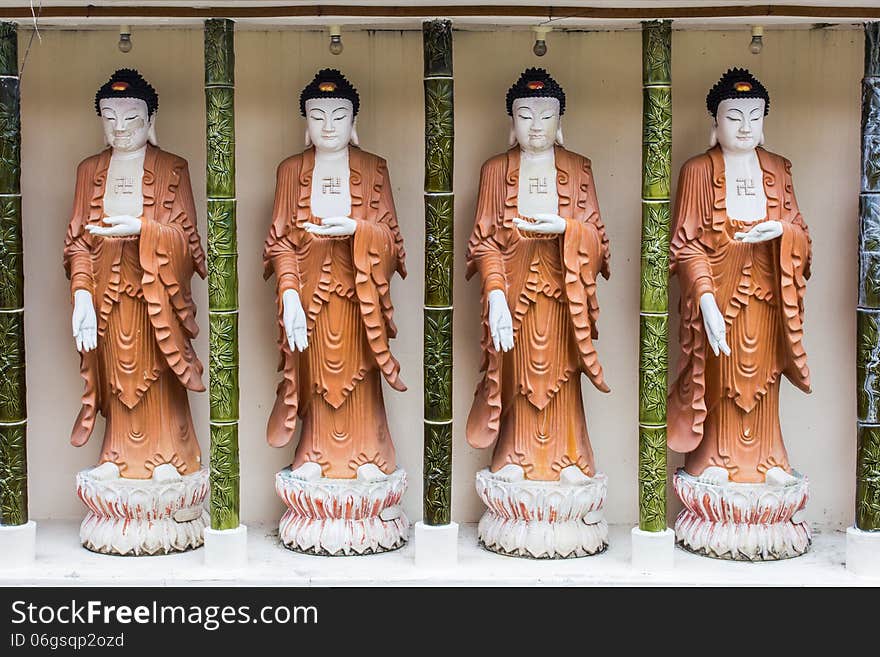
[(130, 252), (333, 246), (741, 252), (538, 245)]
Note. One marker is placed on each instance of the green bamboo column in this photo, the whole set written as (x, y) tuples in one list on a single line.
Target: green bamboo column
[(868, 324), (437, 42), (653, 313), (13, 395), (222, 271)]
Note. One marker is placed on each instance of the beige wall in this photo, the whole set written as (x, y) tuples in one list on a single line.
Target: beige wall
[(813, 78)]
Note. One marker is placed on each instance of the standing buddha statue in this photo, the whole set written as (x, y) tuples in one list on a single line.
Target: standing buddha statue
[(130, 252), (539, 245), (741, 251), (333, 246)]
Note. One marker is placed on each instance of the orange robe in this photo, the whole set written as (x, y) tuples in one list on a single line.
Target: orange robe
[(144, 363), (343, 284), (529, 400), (724, 410)]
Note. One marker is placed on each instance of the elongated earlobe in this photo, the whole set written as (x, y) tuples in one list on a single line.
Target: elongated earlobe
[(761, 141), (713, 136), (151, 135), (354, 139), (308, 139), (511, 138), (559, 139)]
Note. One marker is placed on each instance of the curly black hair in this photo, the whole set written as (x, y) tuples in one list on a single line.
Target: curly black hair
[(535, 83), (128, 83), (736, 83), (329, 83)]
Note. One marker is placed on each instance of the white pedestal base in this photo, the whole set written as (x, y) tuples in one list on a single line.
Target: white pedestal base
[(653, 551), (18, 545), (542, 519), (742, 522), (342, 517), (436, 546), (863, 552), (226, 548), (135, 517)]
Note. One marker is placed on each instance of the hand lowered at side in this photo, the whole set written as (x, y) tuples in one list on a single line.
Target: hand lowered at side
[(294, 318), (85, 322), (500, 321)]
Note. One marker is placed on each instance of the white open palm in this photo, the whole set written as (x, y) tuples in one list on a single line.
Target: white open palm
[(294, 318), (713, 320), (500, 321), (85, 323)]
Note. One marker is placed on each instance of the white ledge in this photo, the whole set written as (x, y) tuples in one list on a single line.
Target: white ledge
[(61, 561)]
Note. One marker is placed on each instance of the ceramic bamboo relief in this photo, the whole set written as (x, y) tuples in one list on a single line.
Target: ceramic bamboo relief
[(654, 315), (439, 202), (222, 272), (868, 340), (13, 406)]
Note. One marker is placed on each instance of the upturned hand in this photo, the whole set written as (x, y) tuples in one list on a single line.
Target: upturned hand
[(500, 321), (713, 320), (543, 223), (85, 322), (332, 227), (122, 225), (294, 318), (766, 230)]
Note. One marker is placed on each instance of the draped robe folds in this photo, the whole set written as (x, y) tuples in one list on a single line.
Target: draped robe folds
[(724, 410), (529, 400), (144, 363), (343, 284)]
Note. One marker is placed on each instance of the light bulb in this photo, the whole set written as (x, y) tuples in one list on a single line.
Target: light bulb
[(124, 44), (335, 40), (540, 47), (757, 42)]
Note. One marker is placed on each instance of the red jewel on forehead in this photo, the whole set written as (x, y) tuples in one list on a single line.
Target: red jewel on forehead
[(327, 86), (742, 86), (120, 85), (534, 85)]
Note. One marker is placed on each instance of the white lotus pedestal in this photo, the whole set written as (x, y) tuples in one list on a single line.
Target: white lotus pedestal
[(742, 522), (135, 517), (542, 519), (342, 517)]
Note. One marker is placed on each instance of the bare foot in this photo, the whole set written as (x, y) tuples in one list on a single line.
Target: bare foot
[(105, 471), (166, 473), (714, 475), (370, 472), (779, 477), (511, 473), (308, 471), (573, 476)]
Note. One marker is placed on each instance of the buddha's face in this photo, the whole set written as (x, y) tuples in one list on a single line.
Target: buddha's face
[(739, 124), (329, 123), (535, 123), (126, 122)]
